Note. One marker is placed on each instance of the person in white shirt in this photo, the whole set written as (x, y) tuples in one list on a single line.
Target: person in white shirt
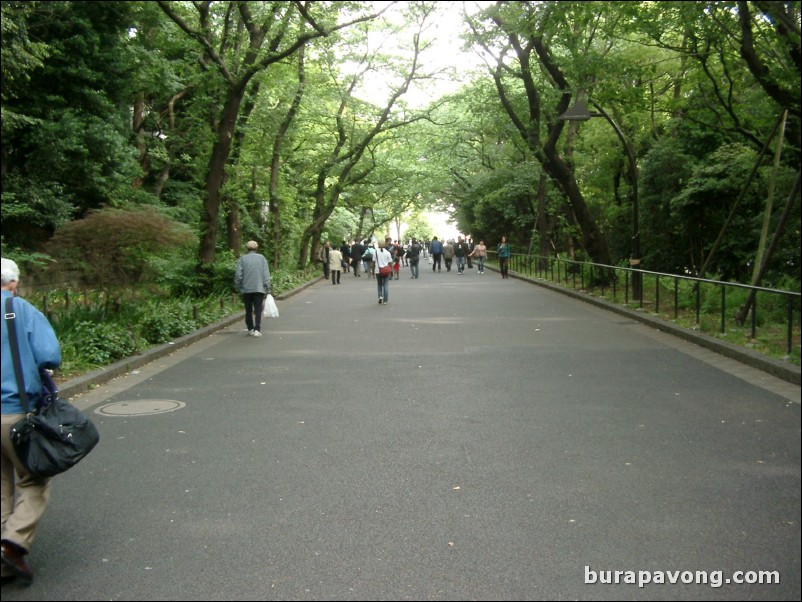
[(383, 259)]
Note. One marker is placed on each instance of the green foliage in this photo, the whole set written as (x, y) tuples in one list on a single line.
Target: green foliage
[(20, 55), (112, 246), (160, 324), (66, 148), (177, 274), (109, 104), (98, 344)]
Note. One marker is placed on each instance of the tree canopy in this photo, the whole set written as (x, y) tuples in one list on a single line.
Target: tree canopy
[(295, 122)]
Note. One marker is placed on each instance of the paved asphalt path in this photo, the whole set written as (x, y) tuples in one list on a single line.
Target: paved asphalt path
[(474, 439)]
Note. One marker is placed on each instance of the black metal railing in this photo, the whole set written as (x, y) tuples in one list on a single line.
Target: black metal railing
[(608, 281)]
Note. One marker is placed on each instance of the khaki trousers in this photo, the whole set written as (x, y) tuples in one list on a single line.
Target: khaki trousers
[(24, 498)]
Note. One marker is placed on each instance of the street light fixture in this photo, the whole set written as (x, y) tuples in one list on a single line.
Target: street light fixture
[(579, 112)]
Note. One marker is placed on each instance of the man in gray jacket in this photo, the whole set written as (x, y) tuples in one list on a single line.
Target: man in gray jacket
[(252, 279)]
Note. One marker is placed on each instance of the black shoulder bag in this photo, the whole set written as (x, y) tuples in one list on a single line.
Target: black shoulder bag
[(54, 436)]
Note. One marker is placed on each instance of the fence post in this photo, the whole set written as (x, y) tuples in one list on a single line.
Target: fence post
[(615, 280), (657, 295), (626, 287), (676, 298), (723, 307), (640, 287), (790, 322)]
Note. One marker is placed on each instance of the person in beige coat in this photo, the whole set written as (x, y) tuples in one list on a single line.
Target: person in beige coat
[(335, 264)]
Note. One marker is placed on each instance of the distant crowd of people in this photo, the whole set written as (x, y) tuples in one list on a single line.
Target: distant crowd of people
[(360, 257)]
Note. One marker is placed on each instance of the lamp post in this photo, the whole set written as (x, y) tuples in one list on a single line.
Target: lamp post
[(579, 112)]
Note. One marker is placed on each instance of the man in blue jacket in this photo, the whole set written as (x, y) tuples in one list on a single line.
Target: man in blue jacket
[(24, 497), (436, 249)]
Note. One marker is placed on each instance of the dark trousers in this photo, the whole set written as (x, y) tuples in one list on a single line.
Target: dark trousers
[(504, 266), (437, 261), (335, 276), (253, 310)]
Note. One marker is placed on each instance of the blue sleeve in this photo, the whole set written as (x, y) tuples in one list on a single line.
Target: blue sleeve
[(38, 348)]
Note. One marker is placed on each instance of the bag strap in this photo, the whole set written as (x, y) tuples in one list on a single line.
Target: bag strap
[(10, 318)]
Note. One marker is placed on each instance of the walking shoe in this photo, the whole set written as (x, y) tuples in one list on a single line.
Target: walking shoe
[(380, 300), (13, 557), (256, 333), (250, 333)]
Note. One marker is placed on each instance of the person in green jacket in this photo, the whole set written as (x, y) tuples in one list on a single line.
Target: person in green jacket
[(504, 257)]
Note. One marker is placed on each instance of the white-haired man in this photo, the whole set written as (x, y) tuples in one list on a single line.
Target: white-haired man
[(252, 279), (24, 497)]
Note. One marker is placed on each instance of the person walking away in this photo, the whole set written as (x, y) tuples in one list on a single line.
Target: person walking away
[(436, 250), (368, 258), (504, 257), (335, 265), (413, 255), (448, 255), (357, 250), (469, 242), (323, 257), (479, 253), (24, 497), (252, 280), (461, 253), (383, 258), (398, 257), (345, 251)]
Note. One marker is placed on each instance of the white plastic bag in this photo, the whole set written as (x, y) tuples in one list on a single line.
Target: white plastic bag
[(270, 310)]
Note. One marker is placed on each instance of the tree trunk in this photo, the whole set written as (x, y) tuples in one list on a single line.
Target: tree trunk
[(544, 223), (744, 311), (593, 240), (139, 132), (216, 176)]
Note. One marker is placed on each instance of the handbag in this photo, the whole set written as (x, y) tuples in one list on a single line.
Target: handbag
[(385, 270), (270, 310), (56, 435)]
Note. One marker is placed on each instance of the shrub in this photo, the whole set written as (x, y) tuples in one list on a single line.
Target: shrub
[(111, 246), (97, 344)]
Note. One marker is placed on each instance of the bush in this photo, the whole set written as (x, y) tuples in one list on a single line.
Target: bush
[(97, 344), (112, 247), (159, 323)]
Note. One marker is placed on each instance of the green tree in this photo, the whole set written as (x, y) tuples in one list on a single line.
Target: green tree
[(65, 144), (240, 40)]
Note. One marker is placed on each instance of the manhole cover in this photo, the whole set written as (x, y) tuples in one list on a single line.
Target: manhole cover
[(140, 408)]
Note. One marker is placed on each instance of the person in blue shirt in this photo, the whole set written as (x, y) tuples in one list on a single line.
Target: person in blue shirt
[(436, 249), (24, 497)]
